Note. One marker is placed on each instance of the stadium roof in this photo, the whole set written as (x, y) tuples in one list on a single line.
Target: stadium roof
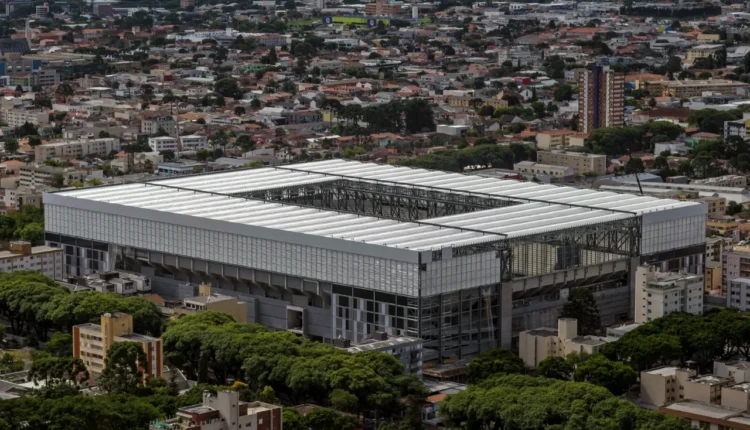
[(214, 196), (492, 187), (376, 231)]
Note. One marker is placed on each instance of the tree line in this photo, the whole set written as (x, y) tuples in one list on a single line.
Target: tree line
[(680, 337), (524, 402), (481, 155), (26, 224), (413, 115), (211, 346), (35, 304)]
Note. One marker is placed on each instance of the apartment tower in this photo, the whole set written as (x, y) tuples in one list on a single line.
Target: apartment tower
[(600, 99)]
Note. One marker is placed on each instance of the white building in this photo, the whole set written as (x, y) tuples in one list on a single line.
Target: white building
[(76, 149), (152, 125), (538, 344), (43, 259), (738, 293), (162, 143), (193, 143), (661, 293), (18, 117)]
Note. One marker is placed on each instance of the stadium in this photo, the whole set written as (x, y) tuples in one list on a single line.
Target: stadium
[(340, 249)]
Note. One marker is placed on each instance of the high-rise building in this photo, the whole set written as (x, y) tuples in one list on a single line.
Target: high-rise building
[(601, 99)]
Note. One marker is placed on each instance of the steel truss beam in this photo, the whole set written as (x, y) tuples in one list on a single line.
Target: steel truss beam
[(383, 200)]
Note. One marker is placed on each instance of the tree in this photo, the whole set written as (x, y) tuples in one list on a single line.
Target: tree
[(228, 87), (33, 233), (563, 92), (674, 65), (56, 370), (524, 402), (733, 208), (147, 93), (418, 116), (94, 182), (239, 110), (122, 368), (168, 155), (555, 67), (634, 165), (598, 370), (245, 142), (344, 401), (493, 361), (582, 306), (64, 90), (60, 345), (11, 146), (555, 367)]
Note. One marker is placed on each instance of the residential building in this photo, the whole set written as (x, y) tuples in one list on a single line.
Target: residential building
[(224, 411), (712, 277), (737, 128), (117, 282), (658, 294), (735, 262), (739, 370), (41, 78), (601, 99), (738, 293), (538, 344), (91, 342), (208, 301), (193, 143), (103, 10), (408, 350), (184, 4), (706, 389), (553, 139), (702, 51), (732, 181), (580, 162), (716, 206), (724, 225), (466, 102), (178, 169), (76, 149), (559, 172), (162, 143), (664, 385), (19, 117), (616, 332), (692, 88), (43, 259), (383, 8), (453, 130), (41, 176), (154, 124)]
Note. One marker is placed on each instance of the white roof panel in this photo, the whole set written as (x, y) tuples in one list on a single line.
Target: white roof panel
[(492, 186)]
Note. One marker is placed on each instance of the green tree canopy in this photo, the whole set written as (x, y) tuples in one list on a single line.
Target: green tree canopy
[(582, 306)]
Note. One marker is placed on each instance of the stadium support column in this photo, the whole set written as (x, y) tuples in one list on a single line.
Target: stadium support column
[(505, 320)]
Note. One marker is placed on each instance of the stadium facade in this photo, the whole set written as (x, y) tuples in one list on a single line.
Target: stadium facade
[(339, 249)]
